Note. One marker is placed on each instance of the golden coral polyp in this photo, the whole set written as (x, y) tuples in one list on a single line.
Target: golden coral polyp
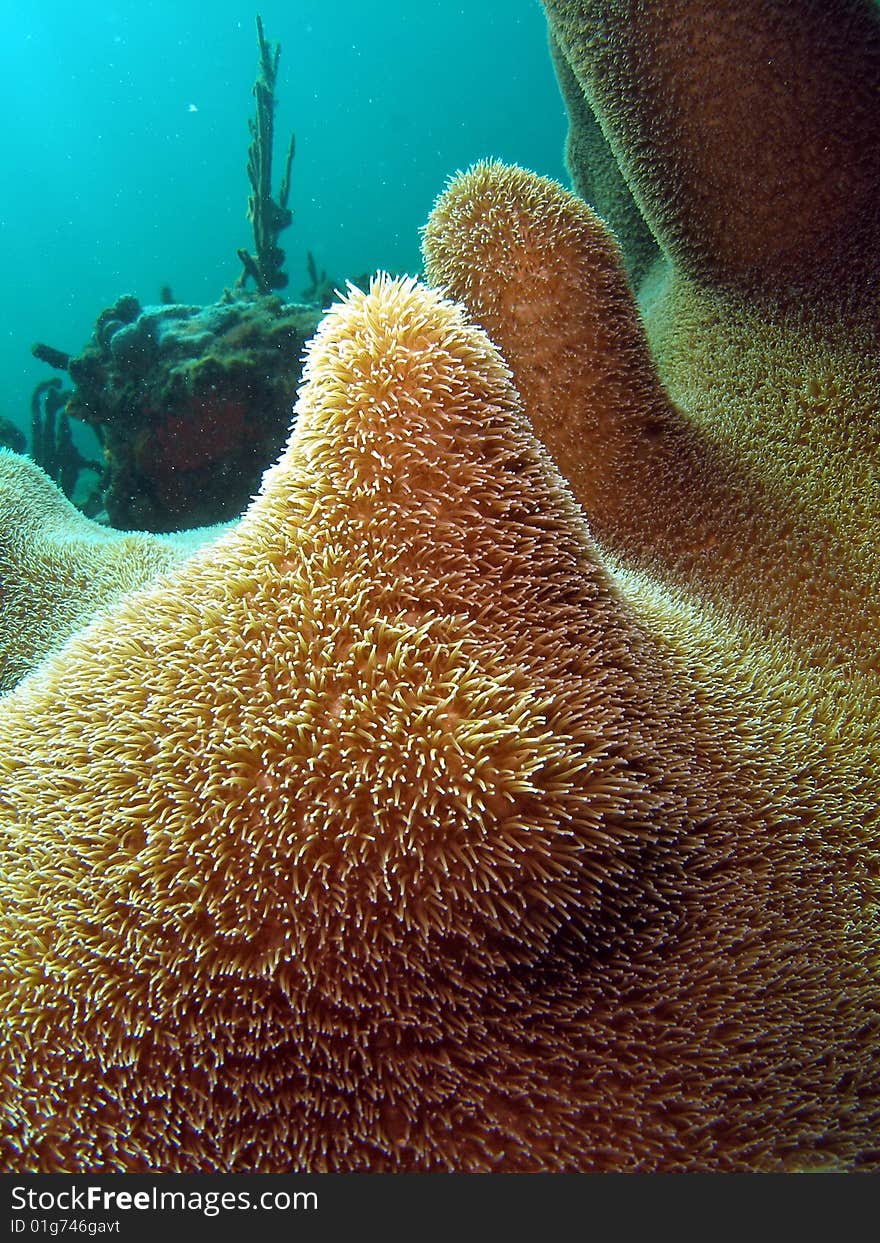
[(743, 140), (296, 809), (433, 819), (395, 832)]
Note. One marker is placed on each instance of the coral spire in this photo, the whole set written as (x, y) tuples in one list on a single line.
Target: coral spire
[(538, 269)]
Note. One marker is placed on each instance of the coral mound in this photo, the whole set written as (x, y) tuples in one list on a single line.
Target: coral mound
[(394, 832), (501, 793)]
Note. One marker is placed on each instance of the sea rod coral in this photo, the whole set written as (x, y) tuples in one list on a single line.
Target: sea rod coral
[(489, 800)]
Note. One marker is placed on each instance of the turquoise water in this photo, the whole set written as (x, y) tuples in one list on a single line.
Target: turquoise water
[(125, 142)]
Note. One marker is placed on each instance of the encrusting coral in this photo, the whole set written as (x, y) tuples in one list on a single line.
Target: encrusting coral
[(436, 819), (393, 832)]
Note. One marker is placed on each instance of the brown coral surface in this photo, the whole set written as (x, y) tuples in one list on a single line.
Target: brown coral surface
[(715, 494), (745, 137), (393, 832)]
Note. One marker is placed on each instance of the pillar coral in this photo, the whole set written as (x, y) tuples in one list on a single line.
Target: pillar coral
[(746, 132), (715, 509), (727, 438), (395, 831), (417, 824)]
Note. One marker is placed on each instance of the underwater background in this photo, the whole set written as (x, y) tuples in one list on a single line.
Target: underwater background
[(125, 144)]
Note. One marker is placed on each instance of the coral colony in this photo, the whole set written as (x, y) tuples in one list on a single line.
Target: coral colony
[(189, 403), (501, 792)]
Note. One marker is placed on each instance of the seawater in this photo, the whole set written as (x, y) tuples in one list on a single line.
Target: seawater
[(125, 135)]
